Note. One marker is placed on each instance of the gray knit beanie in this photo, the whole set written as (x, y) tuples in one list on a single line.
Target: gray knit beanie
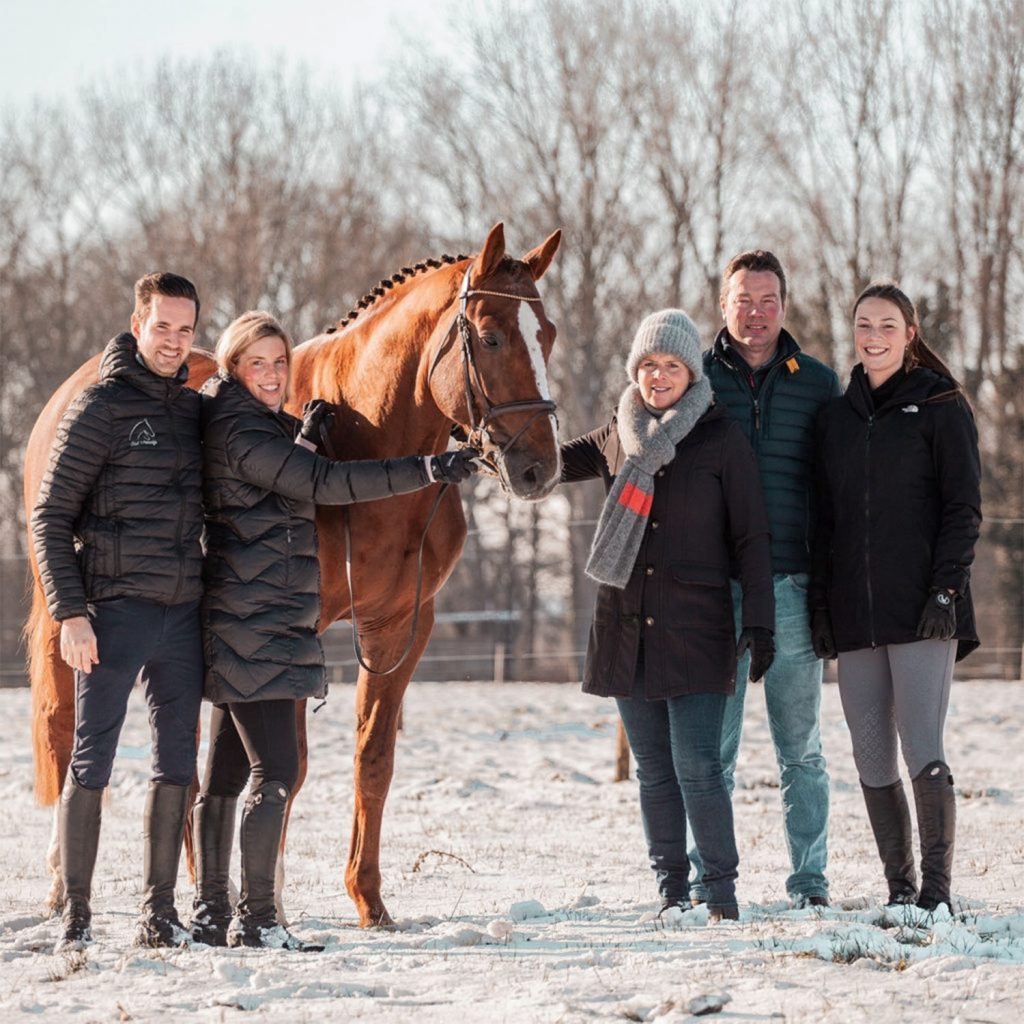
[(670, 331)]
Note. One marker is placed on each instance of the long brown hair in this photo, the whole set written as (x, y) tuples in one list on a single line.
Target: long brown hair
[(918, 353)]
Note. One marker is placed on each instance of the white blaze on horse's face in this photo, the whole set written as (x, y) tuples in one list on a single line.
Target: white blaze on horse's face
[(530, 329)]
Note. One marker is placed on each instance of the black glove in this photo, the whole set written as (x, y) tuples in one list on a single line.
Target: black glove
[(823, 640), (761, 644), (453, 467), (938, 620), (316, 414)]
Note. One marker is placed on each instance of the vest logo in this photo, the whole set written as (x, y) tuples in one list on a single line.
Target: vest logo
[(910, 408), (142, 435)]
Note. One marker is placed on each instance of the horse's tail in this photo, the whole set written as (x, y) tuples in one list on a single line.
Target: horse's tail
[(53, 698)]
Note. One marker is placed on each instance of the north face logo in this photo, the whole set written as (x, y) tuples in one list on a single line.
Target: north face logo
[(142, 435)]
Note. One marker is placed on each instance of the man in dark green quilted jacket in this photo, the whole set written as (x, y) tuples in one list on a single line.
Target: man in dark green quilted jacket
[(774, 391)]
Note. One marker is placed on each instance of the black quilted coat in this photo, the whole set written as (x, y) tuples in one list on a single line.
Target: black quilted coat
[(262, 598), (119, 512)]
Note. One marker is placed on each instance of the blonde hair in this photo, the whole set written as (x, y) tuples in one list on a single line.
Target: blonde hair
[(243, 332)]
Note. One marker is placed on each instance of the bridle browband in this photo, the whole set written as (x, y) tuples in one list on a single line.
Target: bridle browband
[(479, 425)]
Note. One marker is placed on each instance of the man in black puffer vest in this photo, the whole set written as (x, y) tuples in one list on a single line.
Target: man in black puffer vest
[(117, 536), (774, 391)]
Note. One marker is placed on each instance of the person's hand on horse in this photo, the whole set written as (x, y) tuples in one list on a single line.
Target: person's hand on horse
[(823, 639), (938, 620), (78, 643), (316, 414), (761, 644), (453, 467)]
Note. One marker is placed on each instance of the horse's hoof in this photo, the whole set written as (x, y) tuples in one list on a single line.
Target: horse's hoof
[(53, 905), (377, 918)]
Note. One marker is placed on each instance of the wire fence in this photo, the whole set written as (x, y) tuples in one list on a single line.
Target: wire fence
[(541, 636)]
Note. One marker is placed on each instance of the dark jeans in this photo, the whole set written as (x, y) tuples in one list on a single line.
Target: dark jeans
[(258, 738), (677, 747), (161, 644)]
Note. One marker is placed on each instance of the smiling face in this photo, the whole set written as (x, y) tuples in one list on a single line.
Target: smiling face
[(263, 369), (662, 379), (164, 337), (754, 310), (881, 337)]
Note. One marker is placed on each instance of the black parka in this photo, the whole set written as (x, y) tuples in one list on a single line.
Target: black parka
[(899, 509), (707, 512), (119, 512), (262, 601)]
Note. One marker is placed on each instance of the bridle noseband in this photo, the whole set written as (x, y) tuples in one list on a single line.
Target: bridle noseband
[(479, 425)]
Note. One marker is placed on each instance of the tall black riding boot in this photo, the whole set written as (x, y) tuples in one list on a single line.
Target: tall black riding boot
[(78, 827), (255, 923), (936, 823), (889, 815), (213, 825), (164, 829)]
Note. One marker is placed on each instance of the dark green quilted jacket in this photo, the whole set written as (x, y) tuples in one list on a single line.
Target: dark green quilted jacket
[(778, 418)]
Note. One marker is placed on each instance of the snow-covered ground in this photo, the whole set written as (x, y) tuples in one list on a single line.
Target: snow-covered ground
[(517, 871)]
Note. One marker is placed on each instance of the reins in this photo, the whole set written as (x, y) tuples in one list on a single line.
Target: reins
[(474, 440)]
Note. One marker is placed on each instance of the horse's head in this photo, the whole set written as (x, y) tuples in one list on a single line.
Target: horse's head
[(489, 373)]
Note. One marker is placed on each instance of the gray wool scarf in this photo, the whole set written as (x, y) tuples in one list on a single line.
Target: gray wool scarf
[(649, 442)]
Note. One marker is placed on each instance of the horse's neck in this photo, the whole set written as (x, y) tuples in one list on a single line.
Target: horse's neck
[(378, 370)]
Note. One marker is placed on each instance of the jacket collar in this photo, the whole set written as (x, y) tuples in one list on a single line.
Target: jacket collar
[(726, 349), (918, 386), (238, 400), (121, 360)]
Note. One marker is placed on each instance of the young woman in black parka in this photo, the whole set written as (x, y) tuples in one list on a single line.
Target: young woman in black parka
[(261, 606), (684, 503), (899, 512)]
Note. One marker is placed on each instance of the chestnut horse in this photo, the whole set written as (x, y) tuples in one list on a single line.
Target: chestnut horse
[(458, 341)]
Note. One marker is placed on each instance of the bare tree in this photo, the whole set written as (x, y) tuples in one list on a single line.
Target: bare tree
[(979, 164), (857, 99)]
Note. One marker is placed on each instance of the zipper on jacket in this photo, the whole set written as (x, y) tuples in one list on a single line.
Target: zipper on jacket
[(181, 502), (867, 529), (288, 555)]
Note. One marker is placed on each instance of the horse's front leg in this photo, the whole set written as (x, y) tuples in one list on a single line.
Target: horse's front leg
[(378, 705)]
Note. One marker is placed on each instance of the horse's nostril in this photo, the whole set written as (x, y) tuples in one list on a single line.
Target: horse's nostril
[(530, 475)]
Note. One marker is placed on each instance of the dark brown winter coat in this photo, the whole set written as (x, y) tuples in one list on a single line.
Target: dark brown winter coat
[(707, 513)]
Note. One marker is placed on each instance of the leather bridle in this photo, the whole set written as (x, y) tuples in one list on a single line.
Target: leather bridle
[(480, 422)]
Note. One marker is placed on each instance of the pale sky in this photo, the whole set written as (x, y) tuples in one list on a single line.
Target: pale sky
[(51, 47)]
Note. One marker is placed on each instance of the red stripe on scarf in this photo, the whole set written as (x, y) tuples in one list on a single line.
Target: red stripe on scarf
[(636, 500)]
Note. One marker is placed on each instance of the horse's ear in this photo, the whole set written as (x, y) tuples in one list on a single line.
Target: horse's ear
[(490, 255), (539, 259)]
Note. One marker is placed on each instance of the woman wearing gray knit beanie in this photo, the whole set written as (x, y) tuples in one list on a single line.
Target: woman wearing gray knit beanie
[(683, 505)]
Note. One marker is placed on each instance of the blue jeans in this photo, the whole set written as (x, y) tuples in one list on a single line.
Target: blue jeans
[(676, 744), (792, 691)]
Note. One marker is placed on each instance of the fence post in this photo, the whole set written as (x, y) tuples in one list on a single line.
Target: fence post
[(499, 662), (621, 754)]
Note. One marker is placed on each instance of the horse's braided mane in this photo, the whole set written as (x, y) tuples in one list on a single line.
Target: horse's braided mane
[(389, 282)]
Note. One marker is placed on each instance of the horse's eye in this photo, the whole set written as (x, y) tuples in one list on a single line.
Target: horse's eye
[(490, 339)]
